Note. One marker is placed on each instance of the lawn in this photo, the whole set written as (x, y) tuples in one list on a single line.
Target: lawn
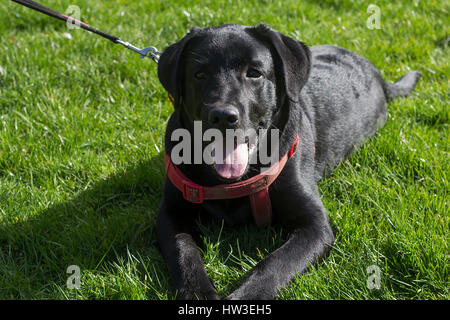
[(81, 139)]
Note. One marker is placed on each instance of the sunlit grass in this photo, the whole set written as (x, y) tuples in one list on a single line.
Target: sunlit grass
[(81, 139)]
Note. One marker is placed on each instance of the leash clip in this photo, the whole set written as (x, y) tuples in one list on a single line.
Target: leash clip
[(150, 52)]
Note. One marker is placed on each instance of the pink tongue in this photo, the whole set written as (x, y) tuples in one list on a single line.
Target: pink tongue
[(233, 164)]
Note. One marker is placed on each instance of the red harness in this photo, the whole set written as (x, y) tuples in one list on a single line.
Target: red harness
[(256, 188)]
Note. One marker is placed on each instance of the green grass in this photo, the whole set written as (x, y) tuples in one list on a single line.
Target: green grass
[(81, 169)]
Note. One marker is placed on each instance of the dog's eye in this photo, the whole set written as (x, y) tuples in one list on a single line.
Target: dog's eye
[(200, 75), (252, 73)]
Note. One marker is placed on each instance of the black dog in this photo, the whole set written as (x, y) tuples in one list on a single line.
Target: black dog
[(239, 77)]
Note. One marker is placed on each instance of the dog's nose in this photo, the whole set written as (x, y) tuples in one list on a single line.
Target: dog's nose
[(224, 118)]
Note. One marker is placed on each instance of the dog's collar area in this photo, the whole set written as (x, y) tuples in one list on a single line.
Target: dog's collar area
[(256, 188)]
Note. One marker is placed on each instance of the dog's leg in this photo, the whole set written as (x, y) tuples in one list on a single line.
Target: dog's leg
[(175, 227), (309, 241)]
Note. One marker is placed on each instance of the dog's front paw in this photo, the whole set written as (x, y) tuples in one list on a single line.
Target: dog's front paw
[(253, 292), (250, 296), (186, 294)]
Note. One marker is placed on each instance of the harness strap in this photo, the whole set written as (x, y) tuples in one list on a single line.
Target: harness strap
[(261, 207)]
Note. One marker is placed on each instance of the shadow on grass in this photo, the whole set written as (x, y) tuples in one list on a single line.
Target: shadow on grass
[(96, 228)]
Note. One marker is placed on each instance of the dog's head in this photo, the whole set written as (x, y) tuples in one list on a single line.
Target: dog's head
[(238, 79)]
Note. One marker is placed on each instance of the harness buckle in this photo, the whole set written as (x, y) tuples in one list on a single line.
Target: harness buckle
[(192, 192)]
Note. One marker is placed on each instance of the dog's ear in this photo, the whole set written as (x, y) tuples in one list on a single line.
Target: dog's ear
[(294, 59), (170, 66)]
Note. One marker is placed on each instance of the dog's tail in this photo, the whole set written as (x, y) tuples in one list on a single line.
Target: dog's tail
[(403, 86)]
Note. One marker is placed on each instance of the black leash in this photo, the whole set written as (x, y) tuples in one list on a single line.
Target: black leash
[(150, 52)]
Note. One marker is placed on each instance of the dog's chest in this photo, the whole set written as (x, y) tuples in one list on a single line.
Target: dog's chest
[(233, 212)]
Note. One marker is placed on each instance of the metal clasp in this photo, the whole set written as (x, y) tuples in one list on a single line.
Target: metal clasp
[(150, 52)]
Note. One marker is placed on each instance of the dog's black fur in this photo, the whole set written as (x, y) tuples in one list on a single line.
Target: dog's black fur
[(330, 96)]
